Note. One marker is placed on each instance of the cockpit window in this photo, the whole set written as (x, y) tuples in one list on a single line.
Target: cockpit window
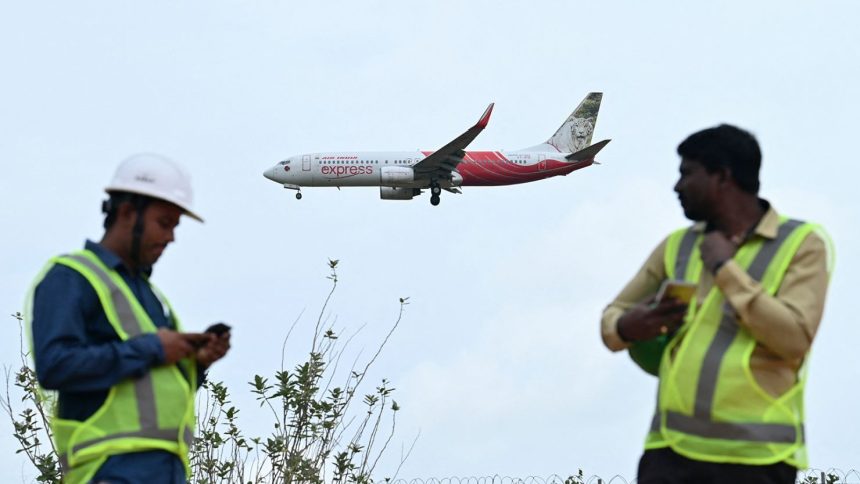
[(285, 162)]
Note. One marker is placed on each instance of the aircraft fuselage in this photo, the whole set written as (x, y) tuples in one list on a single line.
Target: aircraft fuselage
[(369, 169)]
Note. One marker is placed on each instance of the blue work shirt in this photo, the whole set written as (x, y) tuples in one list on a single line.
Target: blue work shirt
[(78, 353)]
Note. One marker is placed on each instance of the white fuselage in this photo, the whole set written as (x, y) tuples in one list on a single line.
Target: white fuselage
[(393, 168)]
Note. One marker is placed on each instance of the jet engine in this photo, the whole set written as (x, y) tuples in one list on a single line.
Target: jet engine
[(394, 176), (456, 179), (395, 193)]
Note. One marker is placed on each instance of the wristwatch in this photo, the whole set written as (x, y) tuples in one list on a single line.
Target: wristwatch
[(718, 265)]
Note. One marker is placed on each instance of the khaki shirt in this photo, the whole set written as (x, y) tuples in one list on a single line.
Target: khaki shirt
[(783, 325)]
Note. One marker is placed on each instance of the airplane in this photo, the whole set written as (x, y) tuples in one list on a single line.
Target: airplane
[(402, 175)]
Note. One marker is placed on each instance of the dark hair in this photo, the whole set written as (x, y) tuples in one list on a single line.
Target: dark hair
[(110, 207), (726, 146)]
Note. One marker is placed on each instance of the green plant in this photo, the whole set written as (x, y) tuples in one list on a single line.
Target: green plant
[(315, 438), (31, 428), (579, 478), (826, 478)]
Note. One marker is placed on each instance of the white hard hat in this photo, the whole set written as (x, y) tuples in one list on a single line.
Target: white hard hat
[(157, 177)]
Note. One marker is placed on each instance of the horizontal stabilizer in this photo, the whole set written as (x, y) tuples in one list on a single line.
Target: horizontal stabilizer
[(588, 152)]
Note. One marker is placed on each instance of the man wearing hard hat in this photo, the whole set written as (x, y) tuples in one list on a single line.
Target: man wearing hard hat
[(111, 345)]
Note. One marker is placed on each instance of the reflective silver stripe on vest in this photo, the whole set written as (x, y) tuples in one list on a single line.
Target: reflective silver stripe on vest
[(169, 435), (685, 253), (752, 432), (144, 391), (708, 375), (700, 423), (144, 387), (682, 261), (128, 321), (63, 460)]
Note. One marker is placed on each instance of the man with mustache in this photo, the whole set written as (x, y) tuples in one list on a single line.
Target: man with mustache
[(111, 345), (731, 362)]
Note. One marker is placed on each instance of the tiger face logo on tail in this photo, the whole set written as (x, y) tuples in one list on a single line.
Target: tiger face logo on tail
[(575, 133)]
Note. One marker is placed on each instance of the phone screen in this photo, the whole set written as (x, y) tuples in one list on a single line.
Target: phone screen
[(679, 290)]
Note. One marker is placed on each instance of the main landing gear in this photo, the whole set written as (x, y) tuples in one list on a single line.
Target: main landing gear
[(297, 188), (435, 190)]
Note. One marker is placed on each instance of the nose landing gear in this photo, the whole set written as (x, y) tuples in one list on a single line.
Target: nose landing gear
[(297, 188)]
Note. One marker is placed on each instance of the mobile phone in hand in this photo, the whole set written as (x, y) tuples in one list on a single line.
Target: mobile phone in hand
[(679, 290), (218, 329)]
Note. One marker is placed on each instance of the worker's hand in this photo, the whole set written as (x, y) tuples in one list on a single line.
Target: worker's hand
[(716, 248), (648, 320), (179, 345), (216, 347)]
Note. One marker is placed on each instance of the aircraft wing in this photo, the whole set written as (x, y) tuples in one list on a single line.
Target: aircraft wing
[(442, 162)]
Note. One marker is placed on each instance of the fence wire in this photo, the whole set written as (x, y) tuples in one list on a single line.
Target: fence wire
[(553, 479), (808, 476)]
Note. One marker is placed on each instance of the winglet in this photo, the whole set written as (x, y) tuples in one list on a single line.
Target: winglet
[(485, 118), (588, 152)]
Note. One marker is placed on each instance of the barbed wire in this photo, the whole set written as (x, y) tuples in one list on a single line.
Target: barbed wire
[(851, 476), (553, 479), (808, 476)]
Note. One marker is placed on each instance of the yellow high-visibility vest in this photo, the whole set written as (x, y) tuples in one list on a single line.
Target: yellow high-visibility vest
[(153, 412), (709, 406)]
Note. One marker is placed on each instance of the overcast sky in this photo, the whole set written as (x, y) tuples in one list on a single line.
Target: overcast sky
[(498, 361)]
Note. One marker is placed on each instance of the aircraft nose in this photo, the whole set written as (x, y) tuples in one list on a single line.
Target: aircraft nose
[(270, 174)]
